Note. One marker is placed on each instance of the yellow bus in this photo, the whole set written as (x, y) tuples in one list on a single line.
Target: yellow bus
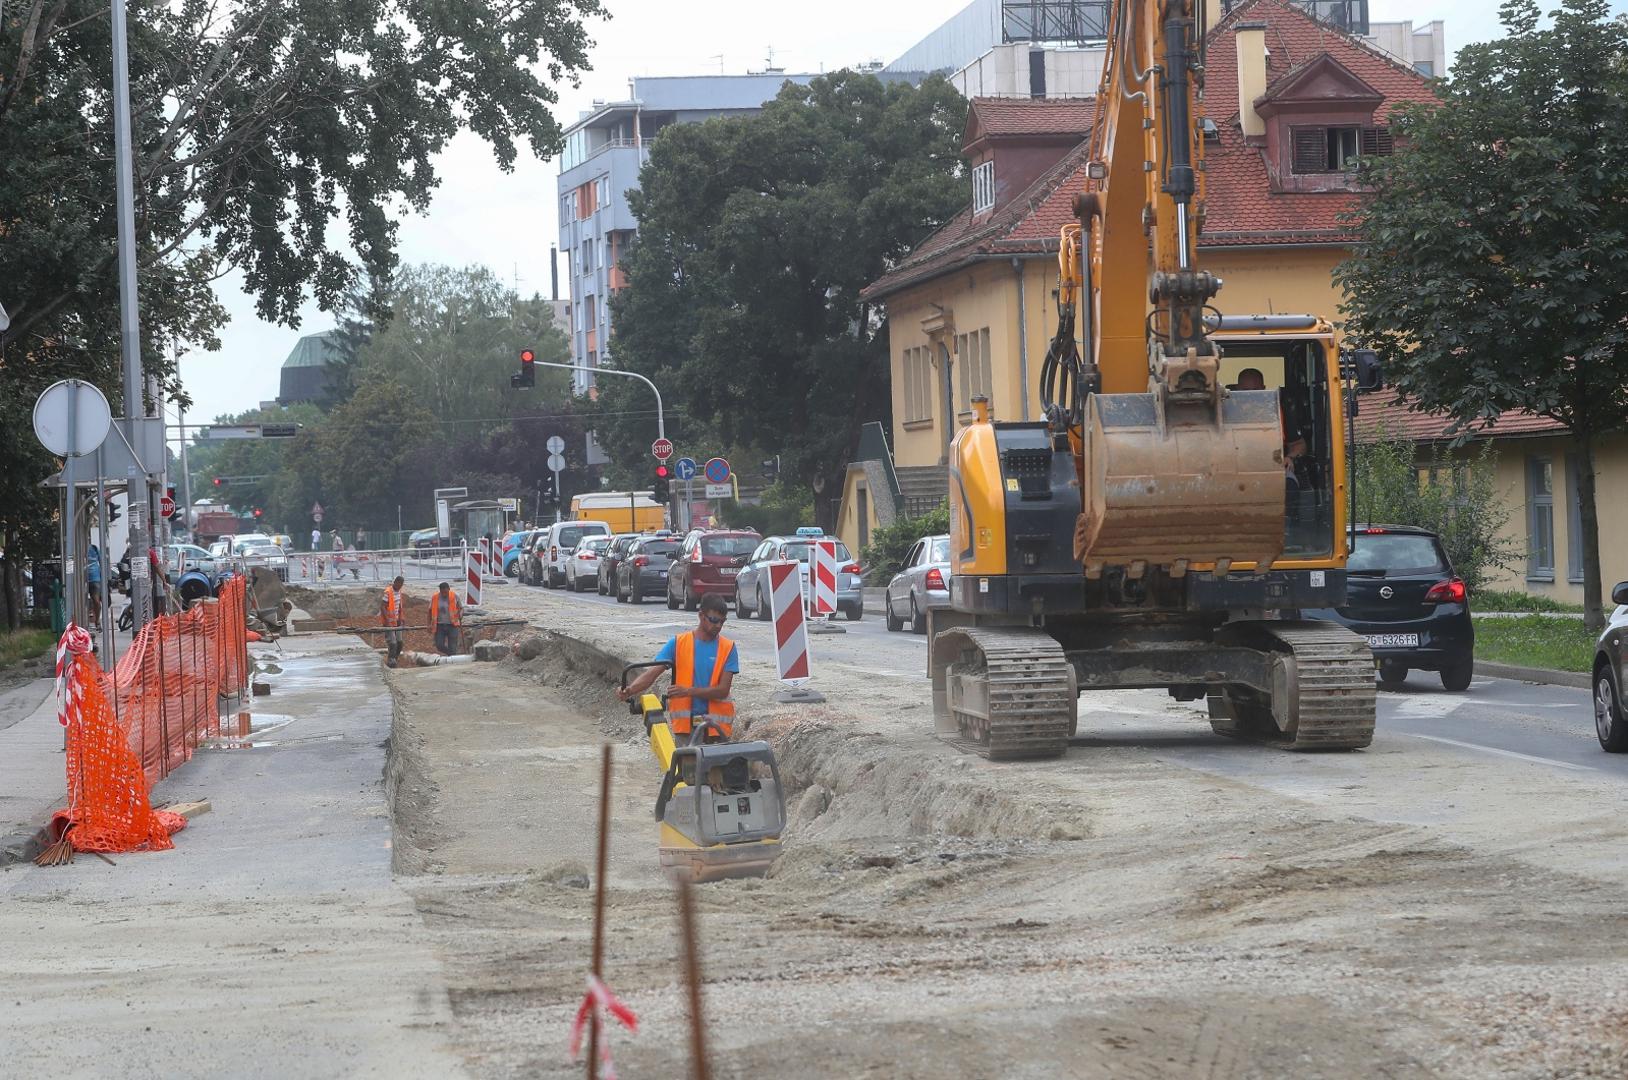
[(623, 511)]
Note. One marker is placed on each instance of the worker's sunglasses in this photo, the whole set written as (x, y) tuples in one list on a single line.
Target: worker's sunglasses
[(716, 620)]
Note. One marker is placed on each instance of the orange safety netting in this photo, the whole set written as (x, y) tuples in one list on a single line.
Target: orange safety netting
[(130, 727), (167, 688)]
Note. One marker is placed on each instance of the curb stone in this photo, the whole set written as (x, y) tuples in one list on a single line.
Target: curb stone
[(1576, 679)]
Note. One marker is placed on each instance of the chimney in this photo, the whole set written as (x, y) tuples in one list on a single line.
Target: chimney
[(554, 270), (1251, 38)]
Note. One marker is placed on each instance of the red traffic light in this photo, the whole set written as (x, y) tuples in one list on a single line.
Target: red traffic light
[(258, 511), (217, 481), (527, 356), (661, 470)]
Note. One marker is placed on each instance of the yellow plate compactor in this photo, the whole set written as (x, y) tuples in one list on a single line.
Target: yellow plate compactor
[(721, 806)]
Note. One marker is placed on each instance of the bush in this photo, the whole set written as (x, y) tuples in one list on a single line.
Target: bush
[(1509, 600), (1399, 483), (884, 555)]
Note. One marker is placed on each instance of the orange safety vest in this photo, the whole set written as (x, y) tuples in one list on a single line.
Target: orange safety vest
[(679, 709), (392, 607), (435, 610)]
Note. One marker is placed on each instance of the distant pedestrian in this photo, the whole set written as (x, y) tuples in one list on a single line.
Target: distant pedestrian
[(446, 616), (390, 614), (339, 555), (93, 586), (316, 539), (361, 540)]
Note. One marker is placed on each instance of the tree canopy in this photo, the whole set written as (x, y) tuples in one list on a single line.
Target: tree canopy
[(756, 235), (1491, 257)]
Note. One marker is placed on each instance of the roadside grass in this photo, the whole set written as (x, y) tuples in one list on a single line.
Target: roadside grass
[(1509, 600), (1537, 641), (19, 645)]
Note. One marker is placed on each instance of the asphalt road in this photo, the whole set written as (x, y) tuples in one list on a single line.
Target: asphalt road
[(1551, 727)]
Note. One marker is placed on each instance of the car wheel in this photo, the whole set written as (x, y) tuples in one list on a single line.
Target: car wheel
[(741, 610), (918, 622), (1456, 676), (635, 591), (1392, 674), (1609, 723), (582, 586), (893, 621), (621, 597), (855, 613), (691, 601), (510, 570), (672, 601), (763, 610), (599, 586)]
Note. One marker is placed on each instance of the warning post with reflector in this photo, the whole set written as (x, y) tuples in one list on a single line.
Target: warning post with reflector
[(791, 657)]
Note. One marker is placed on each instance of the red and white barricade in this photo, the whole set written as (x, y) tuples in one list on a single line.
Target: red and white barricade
[(823, 578), (790, 631), (473, 572)]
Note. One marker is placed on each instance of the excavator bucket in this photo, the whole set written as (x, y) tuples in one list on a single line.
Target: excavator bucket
[(1180, 486)]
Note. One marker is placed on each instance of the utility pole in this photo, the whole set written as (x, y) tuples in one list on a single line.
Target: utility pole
[(140, 492)]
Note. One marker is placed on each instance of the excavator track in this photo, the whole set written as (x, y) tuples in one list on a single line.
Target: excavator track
[(1322, 691), (1010, 693)]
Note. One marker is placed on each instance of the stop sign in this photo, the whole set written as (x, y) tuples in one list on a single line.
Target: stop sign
[(166, 506), (662, 449)]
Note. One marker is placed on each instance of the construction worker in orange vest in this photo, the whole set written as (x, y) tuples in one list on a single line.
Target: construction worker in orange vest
[(446, 616), (390, 614), (704, 665)]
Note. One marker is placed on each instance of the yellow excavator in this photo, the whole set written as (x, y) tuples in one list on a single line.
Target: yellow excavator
[(1160, 528)]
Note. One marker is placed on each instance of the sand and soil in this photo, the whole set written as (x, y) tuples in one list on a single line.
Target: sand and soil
[(1106, 915)]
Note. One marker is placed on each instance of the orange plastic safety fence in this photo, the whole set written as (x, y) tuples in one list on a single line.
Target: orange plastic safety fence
[(108, 809), (167, 690)]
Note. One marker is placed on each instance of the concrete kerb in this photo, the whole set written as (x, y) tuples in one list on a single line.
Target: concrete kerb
[(1577, 679)]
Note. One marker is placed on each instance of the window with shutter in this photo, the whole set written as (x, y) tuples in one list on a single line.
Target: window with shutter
[(1310, 150), (1376, 141)]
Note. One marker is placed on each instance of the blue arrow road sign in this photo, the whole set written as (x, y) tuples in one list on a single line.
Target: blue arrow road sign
[(717, 471), (684, 468)]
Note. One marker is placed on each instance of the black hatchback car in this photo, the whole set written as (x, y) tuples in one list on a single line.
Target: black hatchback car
[(1402, 595), (1610, 665)]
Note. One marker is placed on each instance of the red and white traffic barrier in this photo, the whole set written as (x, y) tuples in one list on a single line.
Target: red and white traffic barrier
[(472, 575), (823, 572), (790, 632)]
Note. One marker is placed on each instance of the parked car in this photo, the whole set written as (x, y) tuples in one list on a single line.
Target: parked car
[(922, 584), (179, 558), (642, 570), (262, 553), (752, 583), (1403, 596), (514, 548), (582, 568), (708, 563), (610, 558), (1610, 687), (558, 541)]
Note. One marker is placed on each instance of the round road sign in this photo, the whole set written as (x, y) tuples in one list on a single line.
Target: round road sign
[(556, 445), (717, 471), (662, 449), (71, 418), (556, 462), (684, 468)]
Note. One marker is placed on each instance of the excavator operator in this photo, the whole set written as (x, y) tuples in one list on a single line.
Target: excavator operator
[(704, 665)]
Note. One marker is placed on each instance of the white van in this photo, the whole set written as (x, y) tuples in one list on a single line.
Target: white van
[(558, 541)]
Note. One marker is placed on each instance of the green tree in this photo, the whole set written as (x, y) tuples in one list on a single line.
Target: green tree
[(279, 139), (1454, 495), (756, 235), (373, 453), (1491, 258)]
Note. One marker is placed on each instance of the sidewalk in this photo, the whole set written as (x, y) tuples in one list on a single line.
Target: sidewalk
[(272, 941), (31, 768)]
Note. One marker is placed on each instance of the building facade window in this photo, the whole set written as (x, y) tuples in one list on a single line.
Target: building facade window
[(604, 191), (983, 187), (1540, 519), (1574, 523), (972, 353), (1335, 149), (918, 386)]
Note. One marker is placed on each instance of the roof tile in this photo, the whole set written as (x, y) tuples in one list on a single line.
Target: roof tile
[(1386, 410)]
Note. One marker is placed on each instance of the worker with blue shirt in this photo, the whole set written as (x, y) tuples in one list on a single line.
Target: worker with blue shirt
[(704, 665), (93, 587)]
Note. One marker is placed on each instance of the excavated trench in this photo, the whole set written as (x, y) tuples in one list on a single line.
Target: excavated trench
[(934, 914)]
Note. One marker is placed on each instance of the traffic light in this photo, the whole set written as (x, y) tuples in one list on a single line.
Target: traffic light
[(169, 491), (528, 370), (258, 512), (771, 468), (659, 487), (112, 511), (221, 481)]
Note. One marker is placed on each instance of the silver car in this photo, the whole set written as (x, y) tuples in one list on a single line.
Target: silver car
[(922, 585), (752, 583)]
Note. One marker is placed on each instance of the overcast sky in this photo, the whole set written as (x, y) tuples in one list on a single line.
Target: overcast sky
[(507, 220)]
